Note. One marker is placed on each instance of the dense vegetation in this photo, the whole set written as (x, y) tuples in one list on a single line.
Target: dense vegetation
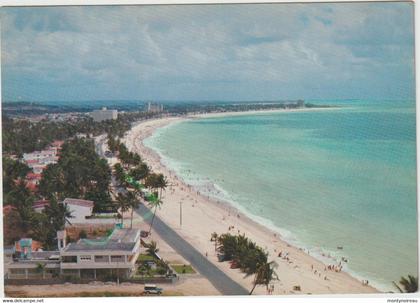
[(131, 176), (246, 255), (22, 136), (79, 173)]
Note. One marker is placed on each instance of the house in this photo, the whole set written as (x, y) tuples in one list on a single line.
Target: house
[(114, 255), (33, 177), (28, 261), (79, 209), (39, 206)]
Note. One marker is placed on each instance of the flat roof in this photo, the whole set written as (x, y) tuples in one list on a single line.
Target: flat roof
[(121, 239)]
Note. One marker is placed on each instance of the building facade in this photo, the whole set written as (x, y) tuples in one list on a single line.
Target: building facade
[(104, 114), (112, 256)]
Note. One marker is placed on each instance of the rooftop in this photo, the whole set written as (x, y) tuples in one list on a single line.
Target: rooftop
[(120, 239), (80, 202)]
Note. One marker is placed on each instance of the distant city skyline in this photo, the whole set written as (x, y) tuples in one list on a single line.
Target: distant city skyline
[(208, 52)]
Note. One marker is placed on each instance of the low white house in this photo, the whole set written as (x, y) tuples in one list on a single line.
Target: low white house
[(80, 209), (92, 259)]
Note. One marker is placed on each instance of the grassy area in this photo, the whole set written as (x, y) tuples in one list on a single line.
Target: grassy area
[(183, 269)]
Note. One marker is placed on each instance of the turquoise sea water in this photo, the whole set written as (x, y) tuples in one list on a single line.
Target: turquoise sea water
[(324, 179)]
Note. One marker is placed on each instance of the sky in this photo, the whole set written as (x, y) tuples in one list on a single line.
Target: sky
[(208, 52)]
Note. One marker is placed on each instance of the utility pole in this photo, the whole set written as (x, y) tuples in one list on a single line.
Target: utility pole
[(180, 213)]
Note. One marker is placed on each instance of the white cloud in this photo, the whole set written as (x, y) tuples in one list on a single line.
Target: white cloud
[(177, 52)]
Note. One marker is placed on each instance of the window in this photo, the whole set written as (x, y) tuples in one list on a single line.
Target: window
[(101, 259), (17, 271), (85, 258), (69, 259), (117, 259)]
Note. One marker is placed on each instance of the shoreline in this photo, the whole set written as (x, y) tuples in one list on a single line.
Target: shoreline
[(300, 269), (258, 112)]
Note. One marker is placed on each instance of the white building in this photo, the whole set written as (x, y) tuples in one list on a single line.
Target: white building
[(79, 209), (92, 259), (154, 108), (101, 258), (104, 114)]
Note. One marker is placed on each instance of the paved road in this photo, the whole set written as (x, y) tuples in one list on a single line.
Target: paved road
[(217, 277)]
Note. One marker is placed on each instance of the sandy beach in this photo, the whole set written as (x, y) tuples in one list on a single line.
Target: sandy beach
[(202, 216)]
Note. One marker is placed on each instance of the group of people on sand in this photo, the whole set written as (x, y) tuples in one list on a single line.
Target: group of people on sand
[(336, 268), (365, 282), (318, 272), (284, 256)]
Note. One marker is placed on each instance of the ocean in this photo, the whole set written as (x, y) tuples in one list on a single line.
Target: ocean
[(340, 183)]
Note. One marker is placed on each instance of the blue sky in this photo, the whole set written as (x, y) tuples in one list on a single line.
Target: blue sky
[(213, 52)]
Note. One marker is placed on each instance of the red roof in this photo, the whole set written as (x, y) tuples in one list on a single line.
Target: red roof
[(57, 143), (7, 209), (32, 161), (31, 186), (33, 176), (80, 202)]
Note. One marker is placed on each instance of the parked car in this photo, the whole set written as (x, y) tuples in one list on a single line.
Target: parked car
[(152, 289), (234, 264)]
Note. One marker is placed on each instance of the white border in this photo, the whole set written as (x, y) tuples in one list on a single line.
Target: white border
[(391, 298)]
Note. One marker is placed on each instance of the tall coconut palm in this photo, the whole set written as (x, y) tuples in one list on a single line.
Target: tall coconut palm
[(264, 275), (410, 285), (161, 183), (134, 204), (155, 203), (214, 237), (123, 203), (152, 248)]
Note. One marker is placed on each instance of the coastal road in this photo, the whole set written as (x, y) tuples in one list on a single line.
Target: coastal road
[(217, 277)]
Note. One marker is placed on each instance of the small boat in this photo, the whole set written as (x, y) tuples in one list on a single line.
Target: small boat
[(339, 247)]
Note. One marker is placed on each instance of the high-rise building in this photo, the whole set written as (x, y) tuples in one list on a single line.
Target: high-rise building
[(104, 114)]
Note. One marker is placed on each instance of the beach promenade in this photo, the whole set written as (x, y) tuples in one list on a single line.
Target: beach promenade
[(218, 278)]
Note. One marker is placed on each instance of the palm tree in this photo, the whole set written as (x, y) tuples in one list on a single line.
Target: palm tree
[(58, 214), (140, 172), (264, 275), (134, 204), (123, 203), (214, 237), (152, 248), (154, 203), (161, 182), (40, 269), (409, 285)]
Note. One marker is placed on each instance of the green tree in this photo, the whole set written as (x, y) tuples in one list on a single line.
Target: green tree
[(409, 284), (140, 172), (123, 203), (161, 183), (264, 275), (13, 171), (152, 248), (215, 238), (154, 203)]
